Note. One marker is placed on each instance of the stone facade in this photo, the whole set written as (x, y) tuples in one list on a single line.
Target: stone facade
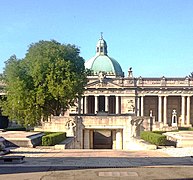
[(140, 96)]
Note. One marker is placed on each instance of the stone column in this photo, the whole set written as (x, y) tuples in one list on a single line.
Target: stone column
[(183, 110), (114, 139), (188, 111), (119, 139), (142, 105), (138, 106), (91, 139), (85, 104), (165, 110), (86, 139), (117, 104), (81, 106), (159, 108), (96, 104), (106, 103)]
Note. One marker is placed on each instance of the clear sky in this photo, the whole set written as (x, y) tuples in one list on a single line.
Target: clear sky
[(154, 37)]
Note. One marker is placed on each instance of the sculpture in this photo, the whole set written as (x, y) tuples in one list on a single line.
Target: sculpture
[(135, 123), (174, 118), (70, 126), (101, 76)]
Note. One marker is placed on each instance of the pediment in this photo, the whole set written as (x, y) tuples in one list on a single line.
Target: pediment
[(104, 84)]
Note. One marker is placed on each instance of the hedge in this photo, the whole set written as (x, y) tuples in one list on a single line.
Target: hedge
[(53, 138), (185, 129), (153, 138), (159, 132), (15, 129)]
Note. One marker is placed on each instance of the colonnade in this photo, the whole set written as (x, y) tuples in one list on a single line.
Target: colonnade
[(184, 110), (85, 104), (185, 113)]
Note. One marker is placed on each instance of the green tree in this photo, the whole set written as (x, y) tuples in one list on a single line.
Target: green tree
[(46, 82)]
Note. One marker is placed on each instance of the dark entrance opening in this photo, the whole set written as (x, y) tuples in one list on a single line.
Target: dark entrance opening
[(102, 139), (101, 107)]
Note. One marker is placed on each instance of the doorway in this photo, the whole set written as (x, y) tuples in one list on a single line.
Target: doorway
[(102, 139)]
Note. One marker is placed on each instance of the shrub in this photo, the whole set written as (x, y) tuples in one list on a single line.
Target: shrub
[(52, 139), (153, 138)]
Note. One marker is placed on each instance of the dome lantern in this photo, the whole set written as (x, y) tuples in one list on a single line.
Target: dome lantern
[(101, 47)]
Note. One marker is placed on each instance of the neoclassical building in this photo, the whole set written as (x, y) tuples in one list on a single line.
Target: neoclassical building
[(114, 108), (108, 91)]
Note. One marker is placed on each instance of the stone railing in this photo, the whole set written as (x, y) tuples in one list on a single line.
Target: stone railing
[(177, 82)]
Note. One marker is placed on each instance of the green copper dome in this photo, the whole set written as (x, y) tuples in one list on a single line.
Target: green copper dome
[(101, 62)]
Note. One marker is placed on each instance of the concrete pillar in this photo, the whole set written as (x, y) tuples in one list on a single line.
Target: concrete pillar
[(142, 105), (86, 139), (188, 111), (159, 108), (106, 103), (91, 139), (114, 139), (119, 139), (165, 110), (117, 104), (183, 110), (96, 104), (138, 106), (85, 105)]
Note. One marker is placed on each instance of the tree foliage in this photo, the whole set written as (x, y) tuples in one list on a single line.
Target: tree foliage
[(46, 82)]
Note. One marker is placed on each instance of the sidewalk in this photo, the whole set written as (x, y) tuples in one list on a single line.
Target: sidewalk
[(96, 158)]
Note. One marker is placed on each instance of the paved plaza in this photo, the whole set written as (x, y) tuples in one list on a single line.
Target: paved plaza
[(102, 158), (49, 164)]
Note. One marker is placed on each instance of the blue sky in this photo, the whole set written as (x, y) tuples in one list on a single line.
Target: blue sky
[(154, 37)]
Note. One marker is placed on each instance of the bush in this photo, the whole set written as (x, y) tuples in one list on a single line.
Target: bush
[(52, 139), (153, 138), (16, 129)]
